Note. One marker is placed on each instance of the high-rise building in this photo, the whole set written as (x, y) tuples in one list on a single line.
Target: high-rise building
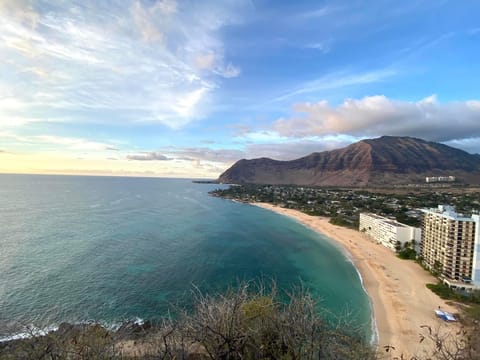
[(450, 246)]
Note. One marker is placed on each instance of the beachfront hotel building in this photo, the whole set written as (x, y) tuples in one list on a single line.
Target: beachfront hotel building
[(388, 232), (450, 246)]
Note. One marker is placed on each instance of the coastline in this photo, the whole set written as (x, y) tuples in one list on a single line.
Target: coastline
[(401, 303)]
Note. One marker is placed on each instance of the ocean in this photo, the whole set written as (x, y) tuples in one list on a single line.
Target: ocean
[(111, 249)]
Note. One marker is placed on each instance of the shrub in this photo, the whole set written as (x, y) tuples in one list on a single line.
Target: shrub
[(407, 254), (247, 322)]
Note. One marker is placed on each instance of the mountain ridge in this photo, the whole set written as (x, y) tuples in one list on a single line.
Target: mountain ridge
[(381, 161)]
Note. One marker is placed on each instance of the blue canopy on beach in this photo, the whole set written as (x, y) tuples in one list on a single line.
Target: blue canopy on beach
[(446, 316)]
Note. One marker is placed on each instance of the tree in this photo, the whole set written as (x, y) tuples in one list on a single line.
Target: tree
[(437, 268), (398, 246)]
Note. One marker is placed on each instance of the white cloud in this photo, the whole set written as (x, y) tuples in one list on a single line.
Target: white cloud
[(21, 9), (143, 21), (185, 104), (71, 143), (12, 113), (315, 14), (158, 61), (338, 80), (322, 46), (58, 142), (261, 136), (378, 115), (474, 31), (216, 65), (205, 61), (229, 71)]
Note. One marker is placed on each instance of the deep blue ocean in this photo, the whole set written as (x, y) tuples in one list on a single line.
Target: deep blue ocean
[(110, 249)]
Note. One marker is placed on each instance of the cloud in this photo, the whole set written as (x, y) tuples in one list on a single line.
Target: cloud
[(378, 115), (132, 61), (211, 62), (323, 46), (282, 150), (471, 145), (58, 142), (72, 143), (289, 149), (205, 61), (337, 80), (315, 14), (229, 71), (20, 9), (144, 18), (148, 156), (474, 31), (207, 154), (295, 149)]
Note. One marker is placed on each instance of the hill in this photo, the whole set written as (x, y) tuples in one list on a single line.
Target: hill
[(387, 160)]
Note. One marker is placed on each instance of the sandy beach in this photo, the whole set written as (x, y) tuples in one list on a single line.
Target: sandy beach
[(401, 302)]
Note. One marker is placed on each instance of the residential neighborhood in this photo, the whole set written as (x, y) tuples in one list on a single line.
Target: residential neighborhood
[(440, 229)]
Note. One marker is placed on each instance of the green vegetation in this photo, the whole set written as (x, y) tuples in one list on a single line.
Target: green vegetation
[(70, 342), (407, 252), (446, 293), (470, 304), (473, 312), (248, 323), (244, 323), (341, 221), (345, 205), (401, 217)]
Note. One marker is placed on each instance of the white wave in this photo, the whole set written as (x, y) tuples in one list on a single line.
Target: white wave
[(33, 331), (30, 332)]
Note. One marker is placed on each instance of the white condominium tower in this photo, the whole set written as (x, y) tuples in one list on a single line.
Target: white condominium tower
[(450, 246)]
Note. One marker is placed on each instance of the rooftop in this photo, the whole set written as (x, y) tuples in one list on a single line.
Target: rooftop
[(386, 220), (448, 212)]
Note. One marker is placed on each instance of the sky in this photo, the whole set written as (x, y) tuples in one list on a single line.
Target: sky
[(177, 88)]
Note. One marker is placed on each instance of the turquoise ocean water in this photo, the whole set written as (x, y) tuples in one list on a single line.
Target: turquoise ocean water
[(110, 249)]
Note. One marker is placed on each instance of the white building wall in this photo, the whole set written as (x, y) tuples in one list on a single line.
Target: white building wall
[(416, 234), (476, 252), (386, 231), (452, 239), (404, 234)]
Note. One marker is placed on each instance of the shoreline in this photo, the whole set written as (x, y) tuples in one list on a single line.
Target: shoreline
[(400, 302)]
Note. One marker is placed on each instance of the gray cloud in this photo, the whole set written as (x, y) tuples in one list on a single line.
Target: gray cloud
[(208, 154), (377, 115), (471, 145), (278, 151), (148, 156)]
